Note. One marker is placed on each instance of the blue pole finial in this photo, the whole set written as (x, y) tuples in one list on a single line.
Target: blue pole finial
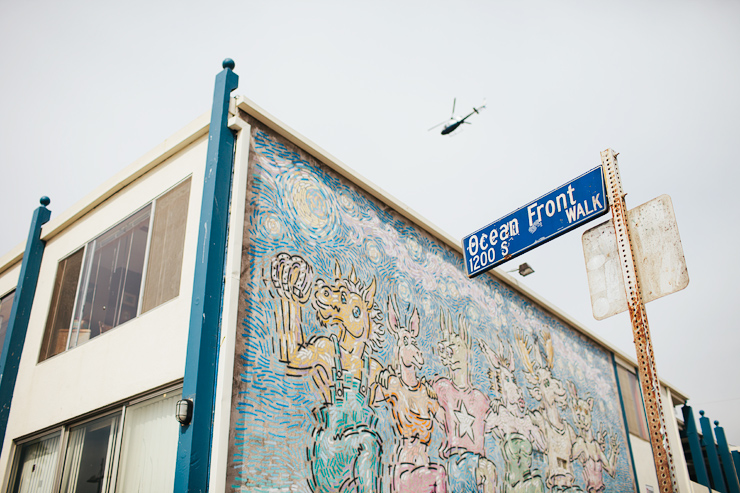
[(228, 63), (45, 201), (716, 423), (702, 413)]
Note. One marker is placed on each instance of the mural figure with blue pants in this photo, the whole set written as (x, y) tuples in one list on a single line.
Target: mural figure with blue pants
[(512, 423), (346, 450)]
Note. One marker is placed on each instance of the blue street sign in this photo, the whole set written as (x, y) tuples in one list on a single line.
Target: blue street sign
[(575, 203)]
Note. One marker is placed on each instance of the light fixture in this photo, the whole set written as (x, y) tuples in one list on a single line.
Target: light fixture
[(184, 411), (524, 270)]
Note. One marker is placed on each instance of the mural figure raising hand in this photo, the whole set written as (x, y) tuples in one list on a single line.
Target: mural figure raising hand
[(346, 450)]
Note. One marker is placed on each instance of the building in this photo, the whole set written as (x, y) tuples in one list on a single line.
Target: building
[(315, 334)]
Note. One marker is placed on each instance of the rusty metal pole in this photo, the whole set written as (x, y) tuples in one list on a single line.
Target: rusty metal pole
[(644, 347)]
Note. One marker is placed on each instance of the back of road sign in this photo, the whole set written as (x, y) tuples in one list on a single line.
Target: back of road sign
[(657, 252)]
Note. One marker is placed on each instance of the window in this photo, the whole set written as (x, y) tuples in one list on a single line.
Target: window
[(149, 448), (100, 286), (88, 459), (633, 406), (6, 305), (37, 465), (99, 458), (109, 288)]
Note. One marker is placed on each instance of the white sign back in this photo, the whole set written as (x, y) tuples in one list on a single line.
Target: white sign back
[(657, 251)]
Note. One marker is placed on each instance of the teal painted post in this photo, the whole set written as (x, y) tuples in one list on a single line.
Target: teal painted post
[(20, 312), (199, 384), (736, 460), (624, 420), (692, 435), (714, 468), (724, 452)]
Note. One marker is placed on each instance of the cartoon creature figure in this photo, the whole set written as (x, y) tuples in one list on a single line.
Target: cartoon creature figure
[(413, 410), (549, 391), (345, 455), (589, 450), (463, 411), (513, 424)]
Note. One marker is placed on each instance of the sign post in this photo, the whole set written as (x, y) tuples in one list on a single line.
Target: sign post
[(644, 347), (563, 209)]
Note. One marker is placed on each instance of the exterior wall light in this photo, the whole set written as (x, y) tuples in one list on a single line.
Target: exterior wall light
[(523, 269), (184, 411)]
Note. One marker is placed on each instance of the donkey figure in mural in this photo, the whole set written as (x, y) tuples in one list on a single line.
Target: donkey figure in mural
[(412, 408), (346, 450), (589, 450), (512, 423), (549, 391), (463, 411)]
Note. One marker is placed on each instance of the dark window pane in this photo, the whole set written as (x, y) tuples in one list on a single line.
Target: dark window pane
[(111, 280), (89, 456), (165, 252), (6, 305), (62, 304)]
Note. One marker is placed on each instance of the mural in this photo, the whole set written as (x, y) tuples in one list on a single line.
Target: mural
[(367, 361)]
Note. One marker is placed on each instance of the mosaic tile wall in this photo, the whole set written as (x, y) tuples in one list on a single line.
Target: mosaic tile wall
[(368, 361)]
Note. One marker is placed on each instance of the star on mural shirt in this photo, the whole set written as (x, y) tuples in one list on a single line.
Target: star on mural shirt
[(465, 413)]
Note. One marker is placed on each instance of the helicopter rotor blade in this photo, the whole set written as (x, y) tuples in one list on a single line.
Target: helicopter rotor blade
[(439, 124), (454, 101)]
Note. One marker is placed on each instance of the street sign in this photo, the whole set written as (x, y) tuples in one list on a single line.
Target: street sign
[(567, 207)]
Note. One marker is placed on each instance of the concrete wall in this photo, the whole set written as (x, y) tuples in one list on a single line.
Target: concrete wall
[(448, 382)]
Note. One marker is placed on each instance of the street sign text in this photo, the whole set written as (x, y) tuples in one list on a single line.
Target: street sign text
[(548, 217)]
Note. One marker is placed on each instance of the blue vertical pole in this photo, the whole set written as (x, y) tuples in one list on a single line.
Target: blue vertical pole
[(199, 385), (714, 468), (727, 465), (20, 312), (736, 460), (692, 435)]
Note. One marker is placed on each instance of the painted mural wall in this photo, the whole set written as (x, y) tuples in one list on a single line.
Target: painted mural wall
[(367, 360)]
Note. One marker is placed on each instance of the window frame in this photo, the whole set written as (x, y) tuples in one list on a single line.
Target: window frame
[(81, 292), (637, 410), (3, 298), (63, 431), (85, 251)]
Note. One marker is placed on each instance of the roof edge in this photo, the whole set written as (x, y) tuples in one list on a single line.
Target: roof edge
[(153, 158), (150, 160)]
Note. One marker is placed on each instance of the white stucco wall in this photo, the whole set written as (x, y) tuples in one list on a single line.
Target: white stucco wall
[(132, 358)]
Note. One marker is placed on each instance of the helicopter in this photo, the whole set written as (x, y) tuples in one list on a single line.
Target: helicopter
[(452, 123)]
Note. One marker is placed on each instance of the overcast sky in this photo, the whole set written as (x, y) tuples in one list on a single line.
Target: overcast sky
[(88, 87)]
